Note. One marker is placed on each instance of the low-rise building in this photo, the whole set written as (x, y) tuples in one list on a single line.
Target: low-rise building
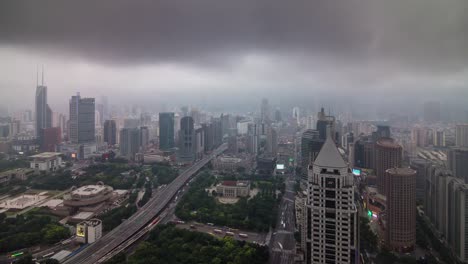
[(18, 174), (233, 189), (23, 201), (89, 198), (89, 231), (46, 161), (266, 166), (231, 163), (374, 202)]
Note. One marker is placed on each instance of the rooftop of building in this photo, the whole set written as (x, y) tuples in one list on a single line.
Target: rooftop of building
[(19, 170), (235, 183), (93, 222), (83, 215), (61, 255), (229, 159), (387, 143), (90, 190), (266, 159), (401, 171), (46, 155), (372, 191), (329, 156), (432, 155), (52, 203)]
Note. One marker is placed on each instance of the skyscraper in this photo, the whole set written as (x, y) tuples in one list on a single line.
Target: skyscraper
[(199, 142), (105, 108), (110, 132), (278, 115), (310, 148), (382, 131), (419, 136), (208, 134), (265, 111), (51, 138), (364, 149), (225, 124), (388, 154), (296, 114), (166, 131), (82, 117), (195, 114), (438, 138), (131, 123), (129, 142), (252, 138), (457, 160), (324, 123), (420, 166), (271, 142), (144, 137), (461, 135), (457, 217), (187, 141), (217, 132), (99, 115), (184, 111), (446, 207), (401, 209), (43, 111), (331, 229)]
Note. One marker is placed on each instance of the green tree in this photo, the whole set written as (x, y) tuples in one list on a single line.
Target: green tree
[(368, 240), (54, 233), (168, 244), (386, 257), (120, 258), (26, 259)]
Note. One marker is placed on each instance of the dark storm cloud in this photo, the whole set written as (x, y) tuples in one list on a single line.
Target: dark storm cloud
[(431, 33)]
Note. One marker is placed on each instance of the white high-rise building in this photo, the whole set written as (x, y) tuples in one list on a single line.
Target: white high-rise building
[(296, 114), (461, 135), (331, 234)]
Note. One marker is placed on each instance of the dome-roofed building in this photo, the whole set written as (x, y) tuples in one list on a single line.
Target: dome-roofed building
[(88, 197)]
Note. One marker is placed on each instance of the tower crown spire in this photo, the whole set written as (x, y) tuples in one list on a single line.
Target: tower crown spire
[(329, 155)]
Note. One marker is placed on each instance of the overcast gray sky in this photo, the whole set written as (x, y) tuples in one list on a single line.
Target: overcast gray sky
[(236, 51)]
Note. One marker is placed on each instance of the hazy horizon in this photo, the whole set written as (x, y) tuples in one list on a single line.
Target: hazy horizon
[(372, 52)]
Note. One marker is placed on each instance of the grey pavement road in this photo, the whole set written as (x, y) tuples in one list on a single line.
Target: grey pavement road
[(141, 218), (252, 237), (283, 244)]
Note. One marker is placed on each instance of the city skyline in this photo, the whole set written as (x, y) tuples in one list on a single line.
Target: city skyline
[(261, 132), (238, 49)]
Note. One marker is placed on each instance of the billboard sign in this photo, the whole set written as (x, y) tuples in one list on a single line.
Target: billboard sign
[(80, 230), (356, 172)]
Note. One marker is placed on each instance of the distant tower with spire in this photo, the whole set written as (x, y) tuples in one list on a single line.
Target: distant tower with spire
[(43, 111)]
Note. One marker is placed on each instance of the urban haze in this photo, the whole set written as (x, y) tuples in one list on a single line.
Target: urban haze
[(208, 131)]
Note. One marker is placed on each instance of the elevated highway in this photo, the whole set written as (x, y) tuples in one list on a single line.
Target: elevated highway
[(138, 221)]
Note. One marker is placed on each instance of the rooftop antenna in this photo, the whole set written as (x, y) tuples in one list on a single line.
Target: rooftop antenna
[(42, 75), (37, 75)]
